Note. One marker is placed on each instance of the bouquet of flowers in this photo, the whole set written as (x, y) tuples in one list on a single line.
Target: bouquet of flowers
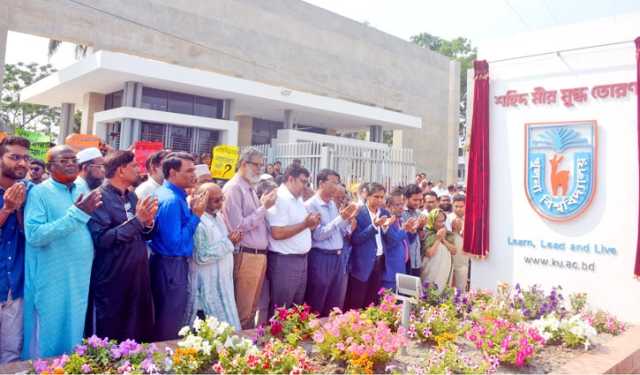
[(604, 322), (512, 343), (96, 356), (573, 332), (450, 360), (360, 343), (534, 303), (499, 306), (432, 296), (276, 357), (291, 325), (435, 325), (388, 311), (202, 344)]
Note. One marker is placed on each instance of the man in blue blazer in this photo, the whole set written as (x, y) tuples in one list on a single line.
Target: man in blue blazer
[(397, 240), (367, 255)]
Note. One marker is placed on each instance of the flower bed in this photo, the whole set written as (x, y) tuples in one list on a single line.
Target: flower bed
[(512, 330)]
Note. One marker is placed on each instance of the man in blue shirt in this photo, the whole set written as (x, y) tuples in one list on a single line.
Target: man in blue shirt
[(325, 261), (172, 244), (14, 164)]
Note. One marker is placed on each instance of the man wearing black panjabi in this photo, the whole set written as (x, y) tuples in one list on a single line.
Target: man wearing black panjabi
[(121, 305)]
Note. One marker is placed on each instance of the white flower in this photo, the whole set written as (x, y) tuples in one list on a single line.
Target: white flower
[(197, 324), (184, 331), (212, 323), (547, 326), (191, 341), (206, 347), (222, 327)]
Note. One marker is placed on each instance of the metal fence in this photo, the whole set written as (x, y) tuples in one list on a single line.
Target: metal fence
[(355, 164)]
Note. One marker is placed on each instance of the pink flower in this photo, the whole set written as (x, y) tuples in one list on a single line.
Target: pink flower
[(318, 337), (85, 368), (276, 328), (40, 365), (520, 357), (217, 368)]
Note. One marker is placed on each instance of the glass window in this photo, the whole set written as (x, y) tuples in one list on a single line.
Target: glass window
[(108, 102), (208, 107), (206, 140), (113, 135), (180, 103), (264, 131), (310, 129), (150, 131), (117, 99), (180, 138), (113, 100), (154, 99)]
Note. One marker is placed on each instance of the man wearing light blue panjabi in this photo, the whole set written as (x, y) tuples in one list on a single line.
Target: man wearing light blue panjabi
[(58, 258)]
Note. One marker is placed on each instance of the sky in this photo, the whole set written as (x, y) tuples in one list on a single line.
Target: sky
[(477, 20)]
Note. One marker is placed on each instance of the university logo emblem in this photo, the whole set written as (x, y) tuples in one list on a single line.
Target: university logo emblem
[(561, 160)]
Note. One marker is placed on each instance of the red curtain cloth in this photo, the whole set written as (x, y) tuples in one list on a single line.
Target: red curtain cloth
[(637, 268), (476, 222)]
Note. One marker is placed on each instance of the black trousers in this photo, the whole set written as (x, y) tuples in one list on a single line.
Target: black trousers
[(361, 294), (170, 289)]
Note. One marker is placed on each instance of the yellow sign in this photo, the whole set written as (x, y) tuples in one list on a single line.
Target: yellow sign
[(224, 161)]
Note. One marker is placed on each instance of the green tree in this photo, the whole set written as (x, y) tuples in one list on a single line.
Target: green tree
[(459, 49), (17, 115)]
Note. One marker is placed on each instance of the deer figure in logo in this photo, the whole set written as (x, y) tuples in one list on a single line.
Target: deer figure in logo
[(559, 179)]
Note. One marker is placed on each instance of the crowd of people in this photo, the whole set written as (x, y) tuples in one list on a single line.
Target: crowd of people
[(87, 247)]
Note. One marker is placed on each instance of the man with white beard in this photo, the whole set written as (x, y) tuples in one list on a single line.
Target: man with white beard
[(245, 213)]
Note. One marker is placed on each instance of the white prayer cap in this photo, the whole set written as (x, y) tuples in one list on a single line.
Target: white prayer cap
[(202, 170), (88, 154), (266, 176)]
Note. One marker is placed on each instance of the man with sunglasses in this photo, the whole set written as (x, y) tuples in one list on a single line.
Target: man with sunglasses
[(14, 164), (58, 258), (91, 164)]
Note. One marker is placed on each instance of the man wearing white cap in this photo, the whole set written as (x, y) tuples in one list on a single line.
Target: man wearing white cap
[(91, 168), (203, 175)]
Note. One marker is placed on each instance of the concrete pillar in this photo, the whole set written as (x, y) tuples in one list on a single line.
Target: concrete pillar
[(245, 130), (130, 128), (66, 121), (92, 102), (453, 121), (375, 133), (229, 109), (288, 119)]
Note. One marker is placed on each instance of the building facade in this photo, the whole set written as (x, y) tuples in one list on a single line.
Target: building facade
[(330, 73)]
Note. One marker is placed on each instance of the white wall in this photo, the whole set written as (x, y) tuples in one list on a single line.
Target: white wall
[(611, 219)]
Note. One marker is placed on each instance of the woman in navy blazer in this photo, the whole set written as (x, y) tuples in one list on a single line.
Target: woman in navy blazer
[(367, 260)]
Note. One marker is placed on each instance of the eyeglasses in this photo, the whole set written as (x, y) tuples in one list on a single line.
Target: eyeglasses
[(17, 158), (66, 161), (259, 165)]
